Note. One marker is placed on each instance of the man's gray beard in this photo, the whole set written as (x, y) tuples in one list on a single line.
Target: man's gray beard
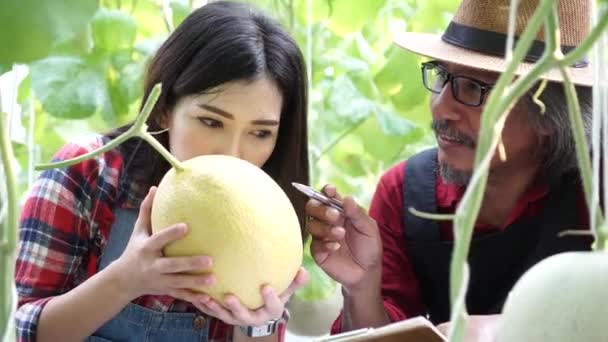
[(453, 176)]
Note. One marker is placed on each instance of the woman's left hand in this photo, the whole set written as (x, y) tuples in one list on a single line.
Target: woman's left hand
[(235, 313)]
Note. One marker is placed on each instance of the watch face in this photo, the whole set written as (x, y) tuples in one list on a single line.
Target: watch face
[(263, 330), (260, 330)]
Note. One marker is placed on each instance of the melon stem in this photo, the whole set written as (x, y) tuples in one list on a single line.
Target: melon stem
[(139, 129)]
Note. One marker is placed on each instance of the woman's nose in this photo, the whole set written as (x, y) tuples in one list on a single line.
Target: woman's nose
[(233, 148)]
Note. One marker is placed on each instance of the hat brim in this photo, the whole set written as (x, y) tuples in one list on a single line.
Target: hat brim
[(431, 45)]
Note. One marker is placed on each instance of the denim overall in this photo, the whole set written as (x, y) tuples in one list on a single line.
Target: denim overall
[(136, 323)]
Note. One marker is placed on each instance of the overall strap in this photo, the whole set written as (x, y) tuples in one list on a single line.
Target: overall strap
[(419, 185), (120, 233)]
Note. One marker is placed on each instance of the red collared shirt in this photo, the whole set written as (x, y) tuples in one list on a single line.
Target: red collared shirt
[(400, 288)]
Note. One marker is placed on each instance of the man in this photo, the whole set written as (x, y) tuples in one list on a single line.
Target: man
[(393, 265)]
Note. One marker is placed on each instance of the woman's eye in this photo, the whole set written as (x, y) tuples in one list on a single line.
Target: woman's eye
[(262, 134), (210, 122)]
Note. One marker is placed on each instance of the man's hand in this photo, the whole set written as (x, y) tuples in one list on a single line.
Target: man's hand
[(347, 245), (480, 328)]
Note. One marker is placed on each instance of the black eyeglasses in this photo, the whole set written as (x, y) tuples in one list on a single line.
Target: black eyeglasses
[(466, 90)]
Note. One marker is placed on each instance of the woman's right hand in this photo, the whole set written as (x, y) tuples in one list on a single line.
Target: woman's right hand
[(347, 246), (144, 270)]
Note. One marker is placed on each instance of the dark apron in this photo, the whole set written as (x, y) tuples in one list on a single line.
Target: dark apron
[(497, 259)]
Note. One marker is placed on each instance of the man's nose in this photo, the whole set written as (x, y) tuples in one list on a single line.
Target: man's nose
[(444, 106)]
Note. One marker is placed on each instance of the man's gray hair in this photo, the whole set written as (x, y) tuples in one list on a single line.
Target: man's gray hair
[(555, 131)]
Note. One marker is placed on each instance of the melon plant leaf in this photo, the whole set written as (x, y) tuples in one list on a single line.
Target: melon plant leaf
[(30, 28), (113, 30), (68, 87), (180, 12), (392, 124), (401, 76), (349, 104), (347, 18)]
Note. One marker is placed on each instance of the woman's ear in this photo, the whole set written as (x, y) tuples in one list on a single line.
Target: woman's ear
[(163, 120)]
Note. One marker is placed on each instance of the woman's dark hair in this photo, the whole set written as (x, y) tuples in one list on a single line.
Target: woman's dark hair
[(219, 43)]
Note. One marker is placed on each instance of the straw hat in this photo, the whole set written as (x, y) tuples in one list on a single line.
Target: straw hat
[(477, 35)]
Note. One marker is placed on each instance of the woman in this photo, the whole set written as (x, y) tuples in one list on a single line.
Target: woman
[(233, 83)]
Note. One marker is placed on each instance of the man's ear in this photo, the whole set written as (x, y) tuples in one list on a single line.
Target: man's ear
[(546, 129)]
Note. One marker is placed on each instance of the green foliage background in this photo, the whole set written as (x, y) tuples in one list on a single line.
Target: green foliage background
[(84, 62)]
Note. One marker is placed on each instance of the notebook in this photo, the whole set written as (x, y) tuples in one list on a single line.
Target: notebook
[(416, 329)]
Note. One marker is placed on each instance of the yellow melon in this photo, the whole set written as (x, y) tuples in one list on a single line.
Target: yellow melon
[(239, 216)]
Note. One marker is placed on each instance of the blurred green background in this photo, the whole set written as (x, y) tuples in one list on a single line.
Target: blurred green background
[(80, 65), (72, 67)]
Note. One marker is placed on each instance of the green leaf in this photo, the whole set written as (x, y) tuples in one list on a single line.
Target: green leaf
[(180, 12), (348, 17), (24, 91), (320, 10), (392, 124), (126, 88), (80, 44), (68, 87), (347, 102), (29, 28), (433, 16), (147, 47), (113, 30), (400, 77), (149, 19)]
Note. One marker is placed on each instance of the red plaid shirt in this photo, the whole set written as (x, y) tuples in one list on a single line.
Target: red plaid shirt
[(65, 224)]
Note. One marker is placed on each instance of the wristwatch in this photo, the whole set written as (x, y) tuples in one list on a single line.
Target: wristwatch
[(266, 329)]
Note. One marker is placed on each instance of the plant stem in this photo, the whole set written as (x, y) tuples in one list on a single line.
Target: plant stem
[(8, 237), (164, 9), (343, 135), (582, 153), (177, 165), (139, 129), (539, 91), (499, 103), (468, 209), (134, 6), (439, 217)]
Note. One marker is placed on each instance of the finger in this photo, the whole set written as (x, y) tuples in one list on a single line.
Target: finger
[(214, 309), (239, 311), (358, 217), (145, 210), (319, 252), (188, 281), (300, 280), (330, 191), (324, 231), (273, 306), (158, 240), (183, 264), (188, 295), (322, 212)]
